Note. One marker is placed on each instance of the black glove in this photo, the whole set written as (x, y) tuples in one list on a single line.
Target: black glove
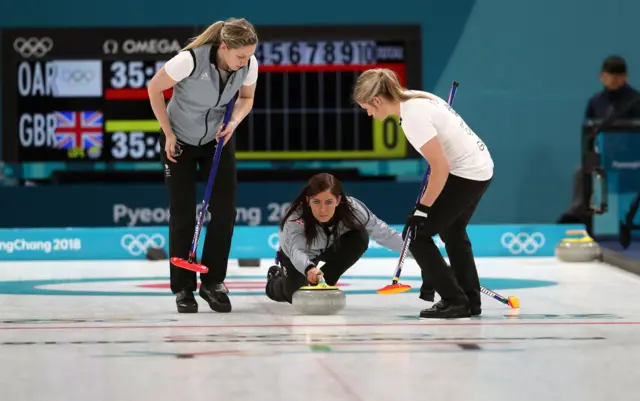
[(416, 220)]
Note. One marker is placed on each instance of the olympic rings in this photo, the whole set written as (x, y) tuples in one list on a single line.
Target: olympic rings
[(33, 46), (78, 76), (522, 242), (137, 245)]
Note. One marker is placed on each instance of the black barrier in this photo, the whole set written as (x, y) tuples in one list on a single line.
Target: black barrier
[(592, 168)]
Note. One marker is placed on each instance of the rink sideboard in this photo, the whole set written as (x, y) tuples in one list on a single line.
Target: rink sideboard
[(122, 243)]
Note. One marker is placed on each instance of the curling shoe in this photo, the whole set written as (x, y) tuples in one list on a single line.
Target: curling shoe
[(275, 271), (446, 310), (216, 296), (186, 302), (474, 310), (276, 278)]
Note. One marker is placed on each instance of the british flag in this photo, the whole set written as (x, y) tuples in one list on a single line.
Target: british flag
[(79, 129)]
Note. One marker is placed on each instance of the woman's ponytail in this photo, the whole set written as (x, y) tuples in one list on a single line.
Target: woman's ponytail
[(234, 32), (210, 35)]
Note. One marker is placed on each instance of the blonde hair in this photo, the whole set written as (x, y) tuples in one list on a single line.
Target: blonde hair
[(384, 83), (234, 32)]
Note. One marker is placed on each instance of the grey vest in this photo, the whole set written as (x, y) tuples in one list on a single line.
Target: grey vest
[(199, 101)]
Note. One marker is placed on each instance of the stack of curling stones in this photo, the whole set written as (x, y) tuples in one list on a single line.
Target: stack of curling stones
[(320, 299), (581, 249)]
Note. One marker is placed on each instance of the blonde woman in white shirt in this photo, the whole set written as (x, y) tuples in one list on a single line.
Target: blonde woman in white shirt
[(461, 171)]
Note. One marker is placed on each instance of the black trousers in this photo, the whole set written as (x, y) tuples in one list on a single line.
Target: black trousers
[(181, 178), (449, 216), (338, 258)]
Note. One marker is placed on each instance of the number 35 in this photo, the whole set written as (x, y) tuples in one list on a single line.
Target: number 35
[(128, 145)]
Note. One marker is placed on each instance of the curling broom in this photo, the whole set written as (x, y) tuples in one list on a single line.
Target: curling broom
[(191, 263), (512, 301), (395, 287)]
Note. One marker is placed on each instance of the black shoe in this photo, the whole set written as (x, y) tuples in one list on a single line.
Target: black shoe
[(444, 310), (216, 296), (474, 310), (186, 302), (276, 278), (275, 271)]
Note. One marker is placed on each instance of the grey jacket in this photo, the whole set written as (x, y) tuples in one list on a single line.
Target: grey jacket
[(293, 243), (199, 101)]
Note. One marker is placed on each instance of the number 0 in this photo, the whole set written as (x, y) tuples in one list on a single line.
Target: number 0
[(390, 133)]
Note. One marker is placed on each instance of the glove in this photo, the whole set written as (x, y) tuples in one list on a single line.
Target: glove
[(416, 220)]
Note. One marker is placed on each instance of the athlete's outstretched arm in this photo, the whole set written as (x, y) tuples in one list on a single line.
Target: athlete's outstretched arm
[(377, 228)]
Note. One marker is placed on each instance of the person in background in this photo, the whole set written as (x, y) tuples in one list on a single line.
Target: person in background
[(618, 99)]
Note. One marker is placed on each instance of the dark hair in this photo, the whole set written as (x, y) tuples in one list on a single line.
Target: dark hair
[(344, 211), (615, 65)]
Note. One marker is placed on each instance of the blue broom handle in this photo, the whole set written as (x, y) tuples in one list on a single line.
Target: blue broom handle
[(212, 174)]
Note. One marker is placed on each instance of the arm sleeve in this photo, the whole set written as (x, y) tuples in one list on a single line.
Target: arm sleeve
[(293, 244), (418, 126), (379, 230), (252, 76), (180, 66)]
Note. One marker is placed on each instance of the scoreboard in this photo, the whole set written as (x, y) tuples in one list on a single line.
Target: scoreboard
[(80, 94)]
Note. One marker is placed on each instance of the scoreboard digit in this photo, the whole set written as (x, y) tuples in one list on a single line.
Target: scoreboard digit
[(80, 94)]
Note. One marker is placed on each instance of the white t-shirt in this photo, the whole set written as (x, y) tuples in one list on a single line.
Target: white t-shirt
[(423, 119), (180, 66)]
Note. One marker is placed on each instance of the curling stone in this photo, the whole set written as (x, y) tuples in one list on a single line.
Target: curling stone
[(321, 299), (583, 249)]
